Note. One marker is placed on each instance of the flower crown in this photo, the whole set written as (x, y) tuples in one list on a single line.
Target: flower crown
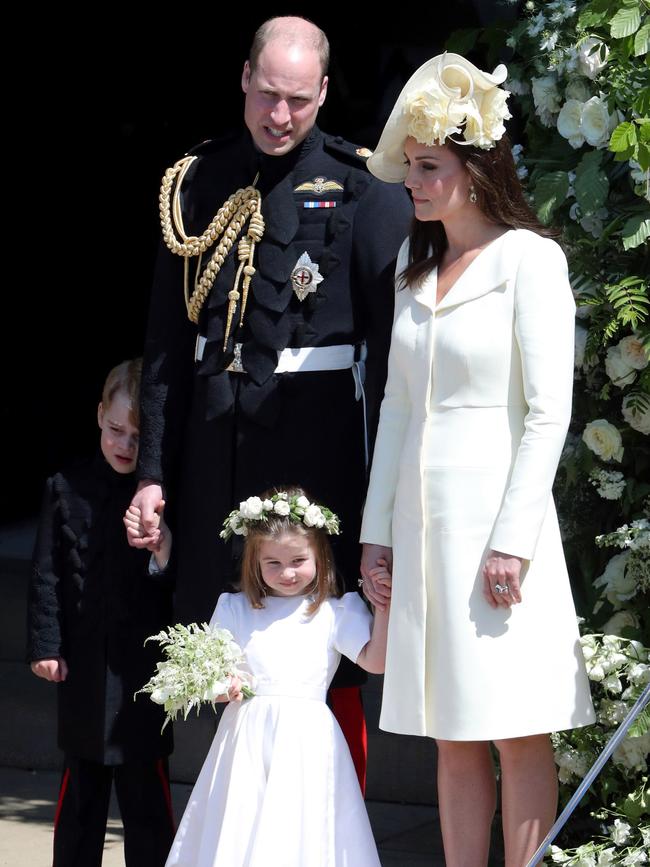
[(454, 101), (295, 507)]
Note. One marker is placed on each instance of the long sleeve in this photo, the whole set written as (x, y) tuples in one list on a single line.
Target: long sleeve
[(393, 421), (544, 331), (166, 371), (381, 223), (44, 609)]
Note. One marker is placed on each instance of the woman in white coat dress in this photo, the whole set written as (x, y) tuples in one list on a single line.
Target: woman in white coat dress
[(483, 642)]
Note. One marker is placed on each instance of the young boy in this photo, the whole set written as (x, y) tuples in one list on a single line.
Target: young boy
[(92, 602)]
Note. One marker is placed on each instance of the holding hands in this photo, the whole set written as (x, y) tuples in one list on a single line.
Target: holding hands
[(501, 584), (376, 569), (140, 535), (55, 669)]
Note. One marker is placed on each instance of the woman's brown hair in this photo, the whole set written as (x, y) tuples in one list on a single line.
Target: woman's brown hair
[(251, 583), (499, 196)]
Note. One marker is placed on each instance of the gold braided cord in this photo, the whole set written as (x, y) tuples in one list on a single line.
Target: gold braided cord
[(227, 225)]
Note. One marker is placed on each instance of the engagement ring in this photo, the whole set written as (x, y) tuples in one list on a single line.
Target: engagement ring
[(501, 588)]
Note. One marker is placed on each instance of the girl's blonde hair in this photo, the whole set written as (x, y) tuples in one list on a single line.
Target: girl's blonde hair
[(251, 582), (125, 377)]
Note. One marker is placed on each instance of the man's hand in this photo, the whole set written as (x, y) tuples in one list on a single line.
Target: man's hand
[(147, 500), (54, 669)]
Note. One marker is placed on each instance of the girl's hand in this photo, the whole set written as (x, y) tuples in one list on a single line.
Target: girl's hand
[(54, 670), (376, 565), (235, 690), (502, 571)]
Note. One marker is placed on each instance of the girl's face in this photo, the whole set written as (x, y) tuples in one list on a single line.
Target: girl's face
[(288, 565), (438, 182), (119, 440)]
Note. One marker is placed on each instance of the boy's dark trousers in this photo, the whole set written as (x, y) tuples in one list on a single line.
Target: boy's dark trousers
[(143, 795)]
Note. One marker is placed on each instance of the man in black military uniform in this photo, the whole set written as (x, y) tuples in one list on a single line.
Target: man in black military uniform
[(265, 386)]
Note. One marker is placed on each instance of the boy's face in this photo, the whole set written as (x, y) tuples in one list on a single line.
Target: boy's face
[(119, 439)]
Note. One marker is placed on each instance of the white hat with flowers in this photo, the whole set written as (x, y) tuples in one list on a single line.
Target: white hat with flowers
[(447, 98)]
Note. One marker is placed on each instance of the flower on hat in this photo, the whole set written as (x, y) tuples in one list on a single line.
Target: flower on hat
[(457, 101)]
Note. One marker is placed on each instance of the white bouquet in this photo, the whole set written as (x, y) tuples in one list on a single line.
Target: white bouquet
[(199, 666)]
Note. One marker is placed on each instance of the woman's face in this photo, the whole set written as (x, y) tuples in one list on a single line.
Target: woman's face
[(438, 182)]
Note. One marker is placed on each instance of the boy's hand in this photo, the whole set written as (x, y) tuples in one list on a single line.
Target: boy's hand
[(54, 670)]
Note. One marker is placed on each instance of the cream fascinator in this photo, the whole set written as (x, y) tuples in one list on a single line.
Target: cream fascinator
[(446, 98)]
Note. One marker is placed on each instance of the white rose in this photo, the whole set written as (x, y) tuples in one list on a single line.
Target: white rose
[(596, 122), (303, 502), (546, 95), (633, 754), (637, 419), (617, 623), (633, 352), (268, 505), (604, 440), (568, 122), (314, 517), (618, 370), (589, 57), (281, 508), (251, 508), (618, 586), (606, 857), (578, 90)]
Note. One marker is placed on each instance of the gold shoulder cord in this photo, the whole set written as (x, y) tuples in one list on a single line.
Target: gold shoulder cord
[(226, 226)]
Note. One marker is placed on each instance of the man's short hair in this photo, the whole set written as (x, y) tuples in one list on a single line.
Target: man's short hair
[(274, 29)]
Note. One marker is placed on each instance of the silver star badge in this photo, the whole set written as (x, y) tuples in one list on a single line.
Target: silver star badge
[(305, 277)]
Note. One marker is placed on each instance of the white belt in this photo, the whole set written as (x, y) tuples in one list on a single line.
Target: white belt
[(305, 359), (312, 358)]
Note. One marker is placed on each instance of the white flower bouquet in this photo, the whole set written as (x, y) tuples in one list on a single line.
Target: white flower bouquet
[(200, 662)]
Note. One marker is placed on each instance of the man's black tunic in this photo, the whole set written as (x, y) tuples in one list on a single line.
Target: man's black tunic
[(215, 437)]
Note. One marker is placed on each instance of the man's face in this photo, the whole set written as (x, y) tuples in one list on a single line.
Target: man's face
[(283, 95)]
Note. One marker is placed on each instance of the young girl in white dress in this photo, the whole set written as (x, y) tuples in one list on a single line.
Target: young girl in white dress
[(278, 786)]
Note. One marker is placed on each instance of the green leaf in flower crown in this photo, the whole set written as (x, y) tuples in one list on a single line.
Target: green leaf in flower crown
[(591, 184), (550, 191), (626, 22), (635, 231), (642, 40)]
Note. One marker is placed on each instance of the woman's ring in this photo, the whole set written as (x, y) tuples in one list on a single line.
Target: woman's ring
[(360, 582), (501, 588)]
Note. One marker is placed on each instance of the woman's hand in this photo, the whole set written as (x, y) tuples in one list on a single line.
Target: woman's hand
[(501, 586), (376, 561)]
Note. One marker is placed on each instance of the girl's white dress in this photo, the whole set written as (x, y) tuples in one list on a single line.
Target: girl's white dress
[(278, 786)]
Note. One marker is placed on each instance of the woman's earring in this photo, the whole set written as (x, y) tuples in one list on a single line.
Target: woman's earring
[(472, 196)]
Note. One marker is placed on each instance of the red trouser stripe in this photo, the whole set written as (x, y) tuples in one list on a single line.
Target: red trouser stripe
[(348, 710), (164, 780), (62, 791)]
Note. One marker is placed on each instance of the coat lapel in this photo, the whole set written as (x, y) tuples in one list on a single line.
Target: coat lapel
[(489, 270)]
